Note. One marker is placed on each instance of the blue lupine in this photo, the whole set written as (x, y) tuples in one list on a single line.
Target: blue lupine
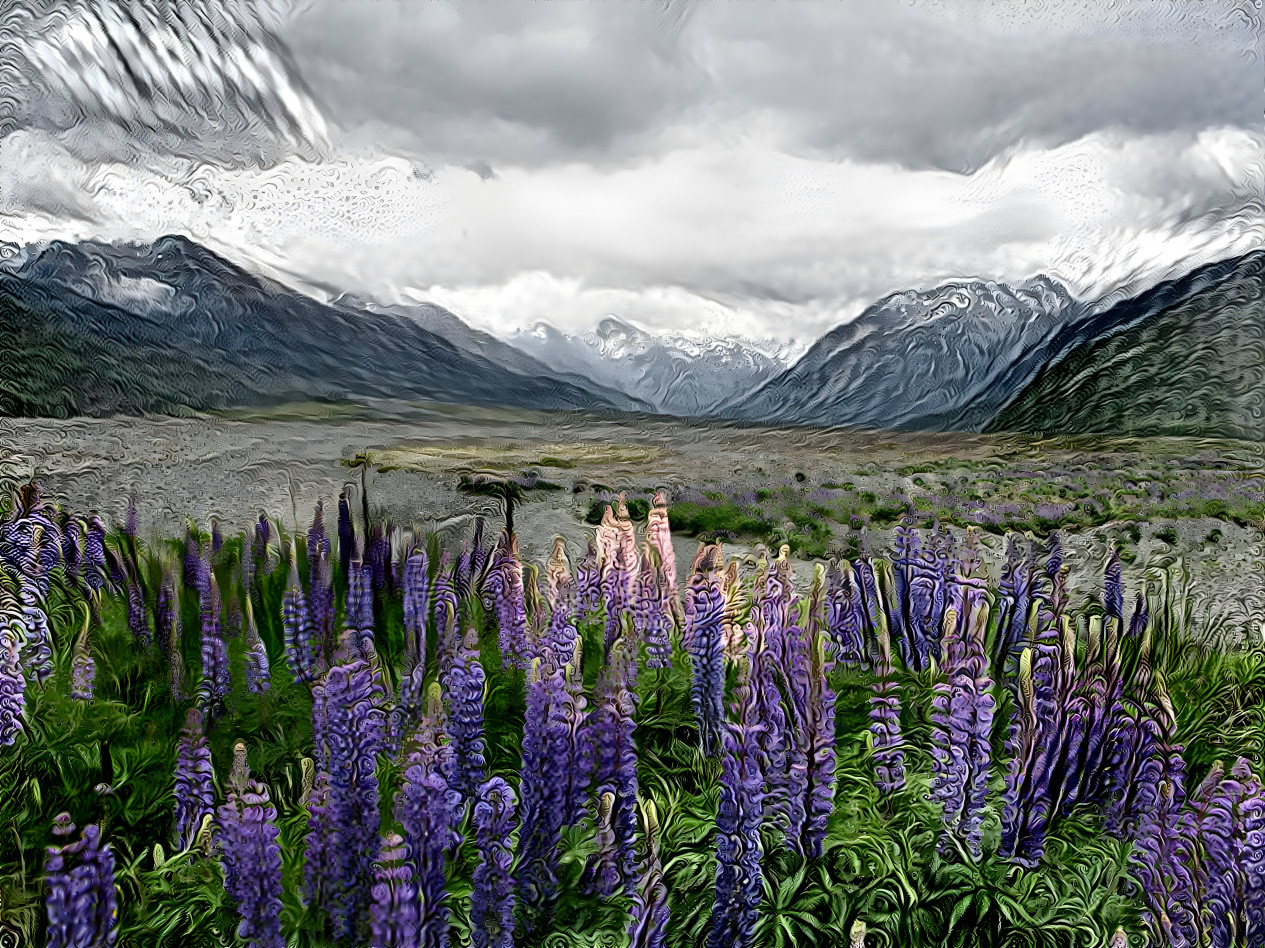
[(845, 614), (615, 766), (251, 856), (349, 729), (1162, 859), (396, 908), (820, 732), (547, 759), (12, 681), (429, 810), (258, 673), (81, 903), (648, 918), (508, 598), (444, 610), (300, 635), (492, 901), (213, 686), (465, 686), (358, 608), (320, 583), (416, 606), (588, 581), (739, 850), (194, 780), (704, 615)]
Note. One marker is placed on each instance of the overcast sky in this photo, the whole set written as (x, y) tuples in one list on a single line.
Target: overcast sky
[(741, 168)]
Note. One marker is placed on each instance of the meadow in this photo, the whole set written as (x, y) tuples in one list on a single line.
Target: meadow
[(360, 734)]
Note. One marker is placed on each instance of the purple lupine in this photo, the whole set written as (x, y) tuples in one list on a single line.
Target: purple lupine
[(508, 601), (12, 681), (82, 903), (561, 635), (320, 584), (1113, 588), (1252, 812), (358, 608), (1014, 605), (258, 673), (739, 883), (546, 761), (465, 685), (251, 856), (588, 583), (378, 556), (492, 901), (296, 621), (1164, 853), (820, 731), (196, 575), (962, 723), (652, 620), (579, 746), (845, 613), (416, 608), (615, 770), (703, 635), (1141, 616), (648, 917), (445, 611), (167, 631), (617, 572), (396, 910), (888, 753), (83, 670), (72, 535), (764, 643), (1221, 829), (262, 537), (429, 810), (93, 566), (213, 686), (349, 729), (36, 649), (194, 781), (137, 618)]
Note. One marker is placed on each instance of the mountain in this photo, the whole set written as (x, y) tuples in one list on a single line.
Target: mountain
[(448, 326), (1186, 358), (97, 328), (946, 358), (676, 374)]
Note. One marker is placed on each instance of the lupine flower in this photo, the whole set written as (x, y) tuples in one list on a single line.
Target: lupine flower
[(81, 903), (580, 748), (1015, 602), (83, 670), (492, 902), (36, 650), (652, 621), (659, 535), (167, 630), (764, 638), (214, 684), (547, 758), (137, 619), (93, 567), (429, 810), (889, 757), (416, 606), (1220, 827), (703, 636), (1252, 811), (296, 620), (447, 634), (739, 884), (196, 574), (557, 573), (1113, 588), (648, 922), (348, 730), (733, 642), (508, 599), (12, 681), (612, 729), (258, 674), (396, 909), (358, 608), (617, 555), (820, 731), (962, 723), (846, 616), (588, 580), (1164, 853), (465, 685), (561, 635), (251, 857), (320, 585), (194, 782)]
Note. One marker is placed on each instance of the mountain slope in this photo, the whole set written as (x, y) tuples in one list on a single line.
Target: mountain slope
[(98, 328), (1187, 358), (919, 359), (448, 326), (675, 374)]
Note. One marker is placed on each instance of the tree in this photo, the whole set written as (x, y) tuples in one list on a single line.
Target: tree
[(507, 488)]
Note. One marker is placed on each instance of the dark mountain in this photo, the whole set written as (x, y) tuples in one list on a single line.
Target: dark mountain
[(1186, 358), (676, 374), (946, 358), (98, 328), (448, 326)]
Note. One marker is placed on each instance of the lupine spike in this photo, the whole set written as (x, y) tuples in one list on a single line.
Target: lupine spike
[(492, 902), (81, 903), (466, 685), (648, 921), (396, 908), (251, 856), (194, 780)]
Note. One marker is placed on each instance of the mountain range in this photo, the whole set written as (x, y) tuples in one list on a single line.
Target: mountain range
[(96, 328)]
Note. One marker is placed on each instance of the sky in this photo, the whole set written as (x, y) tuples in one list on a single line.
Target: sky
[(728, 168)]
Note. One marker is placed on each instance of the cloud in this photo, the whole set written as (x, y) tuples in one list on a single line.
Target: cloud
[(130, 80), (923, 85), (734, 239)]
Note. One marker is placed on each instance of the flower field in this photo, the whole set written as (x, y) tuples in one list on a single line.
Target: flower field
[(352, 736)]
